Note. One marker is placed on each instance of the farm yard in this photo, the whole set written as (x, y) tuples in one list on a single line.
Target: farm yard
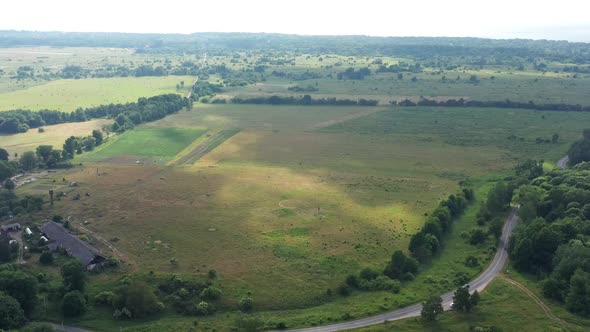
[(282, 203)]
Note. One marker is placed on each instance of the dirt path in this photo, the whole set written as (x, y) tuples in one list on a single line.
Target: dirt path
[(207, 146), (543, 306), (105, 242), (348, 117)]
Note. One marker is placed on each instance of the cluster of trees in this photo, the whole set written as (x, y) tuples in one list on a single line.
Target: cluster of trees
[(495, 104), (463, 301), (144, 110), (554, 240), (369, 280), (580, 150), (12, 205), (304, 100), (428, 241), (190, 297), (352, 74), (18, 296)]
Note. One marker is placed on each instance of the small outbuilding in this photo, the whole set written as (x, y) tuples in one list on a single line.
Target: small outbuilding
[(11, 227)]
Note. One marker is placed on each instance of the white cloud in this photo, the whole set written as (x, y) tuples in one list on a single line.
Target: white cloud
[(565, 19)]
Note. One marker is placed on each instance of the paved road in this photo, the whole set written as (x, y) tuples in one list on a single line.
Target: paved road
[(562, 163), (478, 283)]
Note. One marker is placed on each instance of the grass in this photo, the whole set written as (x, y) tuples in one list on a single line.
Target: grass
[(284, 209), (53, 135), (68, 95), (500, 304), (163, 143)]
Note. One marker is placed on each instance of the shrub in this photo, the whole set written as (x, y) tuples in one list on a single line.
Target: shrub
[(105, 298), (46, 258), (343, 290), (203, 308), (471, 261), (211, 293), (73, 304), (246, 304)]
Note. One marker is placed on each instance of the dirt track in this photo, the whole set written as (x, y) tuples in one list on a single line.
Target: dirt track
[(348, 117), (207, 146)]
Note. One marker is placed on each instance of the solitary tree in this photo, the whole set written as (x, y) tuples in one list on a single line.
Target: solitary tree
[(28, 160), (431, 308)]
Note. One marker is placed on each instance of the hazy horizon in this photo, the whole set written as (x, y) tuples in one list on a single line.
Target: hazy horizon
[(503, 19)]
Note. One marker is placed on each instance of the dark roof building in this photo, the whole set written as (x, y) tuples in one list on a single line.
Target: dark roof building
[(61, 238)]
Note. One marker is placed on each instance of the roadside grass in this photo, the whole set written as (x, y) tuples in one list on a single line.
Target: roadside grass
[(69, 94), (163, 143), (53, 135), (502, 306)]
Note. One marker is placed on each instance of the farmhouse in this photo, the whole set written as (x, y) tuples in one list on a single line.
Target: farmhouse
[(11, 227), (60, 238)]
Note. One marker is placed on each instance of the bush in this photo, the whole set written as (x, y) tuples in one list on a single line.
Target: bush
[(203, 308), (471, 261), (211, 293), (104, 298), (46, 258), (343, 290), (246, 304), (73, 304)]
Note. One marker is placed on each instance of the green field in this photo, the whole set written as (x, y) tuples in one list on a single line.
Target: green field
[(68, 95), (152, 143)]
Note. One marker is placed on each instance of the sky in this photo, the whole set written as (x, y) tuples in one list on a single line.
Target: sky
[(535, 19)]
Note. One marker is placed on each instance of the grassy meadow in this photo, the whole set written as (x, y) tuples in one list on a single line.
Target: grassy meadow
[(300, 197), (68, 95), (52, 135)]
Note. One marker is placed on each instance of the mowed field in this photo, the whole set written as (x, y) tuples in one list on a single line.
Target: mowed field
[(68, 95), (53, 135), (300, 196)]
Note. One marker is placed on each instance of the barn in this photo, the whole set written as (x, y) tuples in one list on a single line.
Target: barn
[(60, 238)]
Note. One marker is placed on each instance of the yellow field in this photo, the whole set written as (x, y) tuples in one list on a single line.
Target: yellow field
[(53, 135)]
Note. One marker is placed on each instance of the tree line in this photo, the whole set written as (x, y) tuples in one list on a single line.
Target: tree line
[(303, 100), (495, 104), (144, 110)]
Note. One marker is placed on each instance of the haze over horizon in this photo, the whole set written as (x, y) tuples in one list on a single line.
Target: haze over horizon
[(453, 18)]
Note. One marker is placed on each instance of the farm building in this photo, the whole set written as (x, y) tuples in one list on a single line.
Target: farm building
[(59, 237), (11, 227)]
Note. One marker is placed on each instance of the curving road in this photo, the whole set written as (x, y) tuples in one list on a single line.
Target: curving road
[(478, 283)]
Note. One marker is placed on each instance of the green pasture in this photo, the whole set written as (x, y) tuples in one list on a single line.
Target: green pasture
[(68, 95), (146, 142)]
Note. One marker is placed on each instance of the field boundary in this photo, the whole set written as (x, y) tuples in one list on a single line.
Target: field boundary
[(207, 146), (345, 118)]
